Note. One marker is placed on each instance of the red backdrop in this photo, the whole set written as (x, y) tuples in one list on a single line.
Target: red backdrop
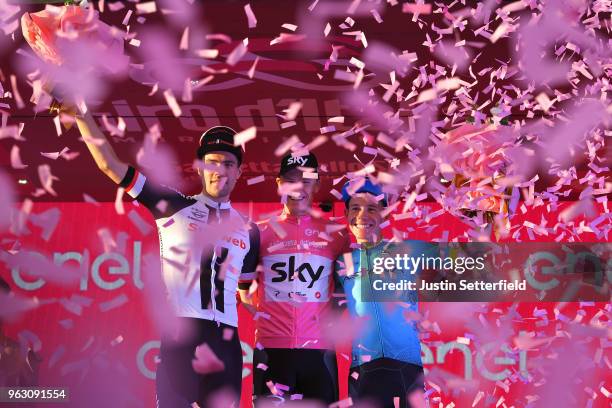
[(84, 327)]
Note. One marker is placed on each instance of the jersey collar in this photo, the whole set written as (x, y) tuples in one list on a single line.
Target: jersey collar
[(211, 203), (294, 219), (379, 243)]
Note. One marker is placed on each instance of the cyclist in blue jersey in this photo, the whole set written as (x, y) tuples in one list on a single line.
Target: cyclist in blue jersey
[(386, 362)]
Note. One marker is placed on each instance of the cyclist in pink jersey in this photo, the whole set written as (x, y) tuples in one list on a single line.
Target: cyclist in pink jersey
[(294, 288)]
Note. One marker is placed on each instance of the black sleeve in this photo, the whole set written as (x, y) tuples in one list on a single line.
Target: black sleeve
[(161, 200), (251, 259), (339, 297)]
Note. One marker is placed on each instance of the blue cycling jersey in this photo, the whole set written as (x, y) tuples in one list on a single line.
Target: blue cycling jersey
[(386, 330)]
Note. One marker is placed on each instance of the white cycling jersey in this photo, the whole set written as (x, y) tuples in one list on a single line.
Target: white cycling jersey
[(200, 279)]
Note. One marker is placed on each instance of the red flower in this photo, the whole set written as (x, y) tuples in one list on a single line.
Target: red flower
[(476, 153), (52, 30)]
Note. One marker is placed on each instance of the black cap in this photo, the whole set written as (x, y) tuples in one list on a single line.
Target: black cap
[(219, 138), (293, 161)]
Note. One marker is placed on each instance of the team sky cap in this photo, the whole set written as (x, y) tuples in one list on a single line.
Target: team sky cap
[(219, 138), (367, 187), (293, 161)]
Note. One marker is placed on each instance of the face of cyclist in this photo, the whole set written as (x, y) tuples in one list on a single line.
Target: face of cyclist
[(220, 175), (299, 190), (364, 218)]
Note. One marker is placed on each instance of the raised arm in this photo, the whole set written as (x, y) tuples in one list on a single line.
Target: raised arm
[(100, 149)]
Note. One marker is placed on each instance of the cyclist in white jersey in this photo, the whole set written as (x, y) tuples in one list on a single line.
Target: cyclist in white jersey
[(200, 279)]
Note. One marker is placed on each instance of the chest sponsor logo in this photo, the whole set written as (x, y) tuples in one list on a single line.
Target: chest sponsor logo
[(289, 272), (235, 242)]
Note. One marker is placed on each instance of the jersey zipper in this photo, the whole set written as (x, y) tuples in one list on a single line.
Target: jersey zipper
[(294, 328), (214, 271), (375, 304)]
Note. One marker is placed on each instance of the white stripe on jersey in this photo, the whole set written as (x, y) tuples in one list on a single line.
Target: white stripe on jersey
[(138, 185)]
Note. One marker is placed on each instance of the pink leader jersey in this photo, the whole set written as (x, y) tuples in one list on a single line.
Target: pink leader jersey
[(295, 281)]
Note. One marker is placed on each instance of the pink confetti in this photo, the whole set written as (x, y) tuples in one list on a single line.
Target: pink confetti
[(416, 8), (16, 162), (285, 146), (11, 132), (241, 138), (107, 239), (184, 44), (29, 341), (146, 8), (158, 158), (172, 103), (162, 56), (206, 361), (116, 341), (584, 207), (116, 6), (119, 201), (13, 306), (187, 91), (290, 27), (40, 266), (16, 95), (7, 197), (286, 38), (251, 72), (252, 20), (208, 53), (47, 221), (327, 30), (450, 54), (256, 180), (54, 155), (292, 111), (237, 53), (57, 355), (58, 126), (228, 334), (114, 130), (46, 178), (126, 18), (501, 31), (143, 226), (221, 37), (562, 137), (114, 303)]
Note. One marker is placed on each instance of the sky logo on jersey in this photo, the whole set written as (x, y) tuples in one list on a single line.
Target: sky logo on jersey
[(305, 272)]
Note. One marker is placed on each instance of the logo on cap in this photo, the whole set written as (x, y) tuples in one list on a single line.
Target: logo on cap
[(300, 160)]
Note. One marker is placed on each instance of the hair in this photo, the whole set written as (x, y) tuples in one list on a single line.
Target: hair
[(382, 203)]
